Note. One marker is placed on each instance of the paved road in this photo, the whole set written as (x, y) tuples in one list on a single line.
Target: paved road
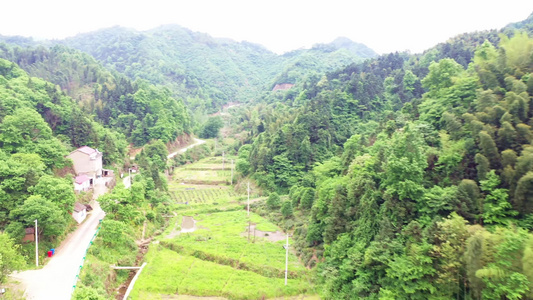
[(182, 150), (56, 279), (127, 181)]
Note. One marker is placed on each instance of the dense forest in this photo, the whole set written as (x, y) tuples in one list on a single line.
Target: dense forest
[(409, 175), (402, 176)]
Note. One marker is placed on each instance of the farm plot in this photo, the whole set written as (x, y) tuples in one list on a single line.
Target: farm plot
[(224, 239), (169, 273), (212, 177), (219, 256), (195, 196)]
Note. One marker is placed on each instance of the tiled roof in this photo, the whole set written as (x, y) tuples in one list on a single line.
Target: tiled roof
[(86, 149), (78, 207), (81, 178)]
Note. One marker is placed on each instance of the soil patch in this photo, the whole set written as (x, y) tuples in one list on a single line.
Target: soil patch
[(273, 236), (188, 224)]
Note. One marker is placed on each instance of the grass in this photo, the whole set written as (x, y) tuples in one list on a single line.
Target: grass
[(216, 260), (168, 272), (195, 196), (202, 176), (224, 240)]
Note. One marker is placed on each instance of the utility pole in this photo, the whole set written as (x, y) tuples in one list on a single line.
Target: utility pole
[(36, 244), (248, 198), (232, 172), (286, 258)]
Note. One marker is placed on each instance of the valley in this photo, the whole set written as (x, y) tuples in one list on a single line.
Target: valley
[(207, 250), (394, 176)]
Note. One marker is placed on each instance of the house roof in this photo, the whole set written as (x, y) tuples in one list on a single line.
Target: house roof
[(78, 207), (81, 178), (87, 150), (30, 230)]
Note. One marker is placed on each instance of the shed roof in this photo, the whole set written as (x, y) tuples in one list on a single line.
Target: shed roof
[(81, 178), (78, 207)]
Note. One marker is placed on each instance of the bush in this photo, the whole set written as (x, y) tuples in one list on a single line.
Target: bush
[(286, 209), (273, 201)]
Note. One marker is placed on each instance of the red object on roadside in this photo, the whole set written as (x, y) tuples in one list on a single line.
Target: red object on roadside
[(49, 253)]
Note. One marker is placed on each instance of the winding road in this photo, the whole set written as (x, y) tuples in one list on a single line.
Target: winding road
[(57, 278), (55, 281), (182, 150)]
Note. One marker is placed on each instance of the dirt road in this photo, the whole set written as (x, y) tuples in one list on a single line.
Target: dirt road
[(57, 278), (180, 151)]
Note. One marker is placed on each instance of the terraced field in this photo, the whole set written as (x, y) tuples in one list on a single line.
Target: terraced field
[(212, 248)]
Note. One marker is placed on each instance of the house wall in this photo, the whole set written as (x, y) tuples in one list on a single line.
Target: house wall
[(84, 165), (29, 237), (79, 216), (82, 187)]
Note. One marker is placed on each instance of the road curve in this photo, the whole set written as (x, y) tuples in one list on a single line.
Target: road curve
[(182, 150), (56, 279)]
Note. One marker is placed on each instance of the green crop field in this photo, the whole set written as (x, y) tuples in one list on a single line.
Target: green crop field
[(219, 258), (210, 196), (222, 237), (169, 273), (202, 176)]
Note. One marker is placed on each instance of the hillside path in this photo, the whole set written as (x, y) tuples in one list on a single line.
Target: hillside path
[(57, 278), (182, 150)]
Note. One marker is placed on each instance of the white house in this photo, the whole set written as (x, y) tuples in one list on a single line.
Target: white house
[(80, 212), (82, 183), (88, 161)]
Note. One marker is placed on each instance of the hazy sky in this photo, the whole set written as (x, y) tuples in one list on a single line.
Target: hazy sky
[(280, 25)]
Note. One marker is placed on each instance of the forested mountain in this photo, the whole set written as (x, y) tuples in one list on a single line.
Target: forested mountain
[(206, 72), (139, 110), (409, 175)]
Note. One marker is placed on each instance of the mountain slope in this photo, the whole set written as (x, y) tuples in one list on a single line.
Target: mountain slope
[(205, 71)]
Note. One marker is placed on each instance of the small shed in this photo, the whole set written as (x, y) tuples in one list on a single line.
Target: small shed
[(82, 183), (80, 212), (30, 235)]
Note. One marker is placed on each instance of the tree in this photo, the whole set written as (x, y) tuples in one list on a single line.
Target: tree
[(286, 209), (24, 128), (501, 275), (156, 152), (57, 190), (211, 127), (273, 201), (52, 221), (468, 196), (409, 274), (488, 148), (507, 136), (441, 74), (115, 233), (523, 198), (482, 166), (496, 208), (10, 258), (448, 250)]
